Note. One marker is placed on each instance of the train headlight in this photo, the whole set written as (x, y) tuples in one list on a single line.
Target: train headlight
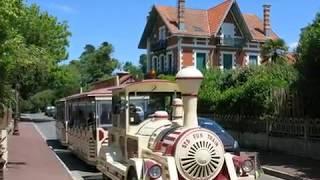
[(247, 166), (155, 171)]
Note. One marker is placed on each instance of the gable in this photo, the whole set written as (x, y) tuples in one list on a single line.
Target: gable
[(216, 15), (230, 26), (234, 17), (205, 23)]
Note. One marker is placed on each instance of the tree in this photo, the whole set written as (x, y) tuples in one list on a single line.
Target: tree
[(274, 50), (133, 70), (308, 65), (31, 45), (97, 64)]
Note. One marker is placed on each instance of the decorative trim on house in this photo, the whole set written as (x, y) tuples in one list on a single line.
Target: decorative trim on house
[(161, 62), (194, 57), (148, 55), (248, 54), (172, 62), (172, 47), (180, 54), (154, 63), (197, 46)]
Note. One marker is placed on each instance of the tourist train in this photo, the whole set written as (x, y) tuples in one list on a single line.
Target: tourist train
[(152, 133), (82, 119)]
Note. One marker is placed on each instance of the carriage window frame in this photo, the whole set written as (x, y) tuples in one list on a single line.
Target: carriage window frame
[(119, 110), (149, 101), (100, 110)]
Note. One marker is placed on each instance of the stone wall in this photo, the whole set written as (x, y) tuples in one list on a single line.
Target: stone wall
[(294, 146)]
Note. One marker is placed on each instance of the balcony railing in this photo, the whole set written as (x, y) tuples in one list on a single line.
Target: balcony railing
[(231, 42), (159, 45)]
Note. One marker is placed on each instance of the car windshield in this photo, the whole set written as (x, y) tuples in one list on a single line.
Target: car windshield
[(211, 124), (142, 105)]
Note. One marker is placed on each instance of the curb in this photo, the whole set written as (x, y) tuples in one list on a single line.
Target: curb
[(279, 174), (22, 119)]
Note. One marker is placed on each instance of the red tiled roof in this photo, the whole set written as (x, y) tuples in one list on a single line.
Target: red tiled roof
[(208, 22), (217, 14), (256, 27), (196, 20)]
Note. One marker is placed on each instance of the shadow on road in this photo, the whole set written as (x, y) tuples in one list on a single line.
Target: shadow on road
[(69, 159)]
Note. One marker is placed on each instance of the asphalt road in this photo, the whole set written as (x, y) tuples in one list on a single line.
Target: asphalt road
[(78, 169)]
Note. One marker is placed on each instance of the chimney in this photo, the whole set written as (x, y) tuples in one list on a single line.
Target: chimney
[(181, 11), (189, 80), (266, 20)]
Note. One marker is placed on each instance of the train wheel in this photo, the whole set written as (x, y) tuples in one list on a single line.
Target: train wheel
[(132, 175)]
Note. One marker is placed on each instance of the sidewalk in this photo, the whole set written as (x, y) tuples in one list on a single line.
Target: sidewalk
[(31, 159), (289, 167)]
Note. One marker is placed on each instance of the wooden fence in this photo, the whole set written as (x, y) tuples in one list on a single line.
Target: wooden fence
[(288, 103)]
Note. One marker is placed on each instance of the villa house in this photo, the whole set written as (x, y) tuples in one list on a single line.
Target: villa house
[(222, 36)]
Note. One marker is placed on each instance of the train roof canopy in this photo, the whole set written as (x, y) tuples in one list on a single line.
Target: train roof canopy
[(103, 92), (152, 85)]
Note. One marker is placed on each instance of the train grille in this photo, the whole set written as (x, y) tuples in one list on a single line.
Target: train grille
[(196, 164)]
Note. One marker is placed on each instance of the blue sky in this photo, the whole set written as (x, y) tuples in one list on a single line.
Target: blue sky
[(121, 22)]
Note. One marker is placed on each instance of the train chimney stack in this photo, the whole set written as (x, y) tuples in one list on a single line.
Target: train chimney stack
[(189, 80)]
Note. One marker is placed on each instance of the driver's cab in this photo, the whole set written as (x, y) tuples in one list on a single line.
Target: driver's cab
[(137, 110)]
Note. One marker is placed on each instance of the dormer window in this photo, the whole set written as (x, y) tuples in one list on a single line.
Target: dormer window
[(228, 30), (162, 33)]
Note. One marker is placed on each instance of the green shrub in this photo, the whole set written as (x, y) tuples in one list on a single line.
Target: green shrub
[(245, 90)]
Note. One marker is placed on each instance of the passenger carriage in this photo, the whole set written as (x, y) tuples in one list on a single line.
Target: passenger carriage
[(87, 123), (166, 141), (83, 119)]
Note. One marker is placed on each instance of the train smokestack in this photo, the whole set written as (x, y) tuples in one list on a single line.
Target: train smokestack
[(189, 80)]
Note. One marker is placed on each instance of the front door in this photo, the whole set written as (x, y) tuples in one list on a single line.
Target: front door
[(201, 61), (227, 61)]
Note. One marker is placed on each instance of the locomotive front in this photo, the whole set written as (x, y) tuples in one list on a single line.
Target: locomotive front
[(166, 148), (198, 153)]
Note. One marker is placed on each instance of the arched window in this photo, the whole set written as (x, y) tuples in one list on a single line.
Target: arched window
[(154, 62), (170, 64), (162, 63)]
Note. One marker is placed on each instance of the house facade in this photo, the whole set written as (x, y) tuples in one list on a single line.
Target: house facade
[(222, 36)]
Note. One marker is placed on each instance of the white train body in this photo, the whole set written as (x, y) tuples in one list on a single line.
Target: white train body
[(82, 123), (167, 142)]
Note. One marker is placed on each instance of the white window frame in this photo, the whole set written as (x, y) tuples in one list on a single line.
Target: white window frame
[(172, 61), (195, 57), (248, 54), (222, 53), (162, 33)]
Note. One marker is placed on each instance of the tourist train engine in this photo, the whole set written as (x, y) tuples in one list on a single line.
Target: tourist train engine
[(155, 135)]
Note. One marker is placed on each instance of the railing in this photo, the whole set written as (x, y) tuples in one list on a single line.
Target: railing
[(231, 42), (276, 126), (159, 45)]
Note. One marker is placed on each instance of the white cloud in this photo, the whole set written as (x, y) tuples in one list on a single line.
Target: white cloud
[(64, 8), (293, 46)]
